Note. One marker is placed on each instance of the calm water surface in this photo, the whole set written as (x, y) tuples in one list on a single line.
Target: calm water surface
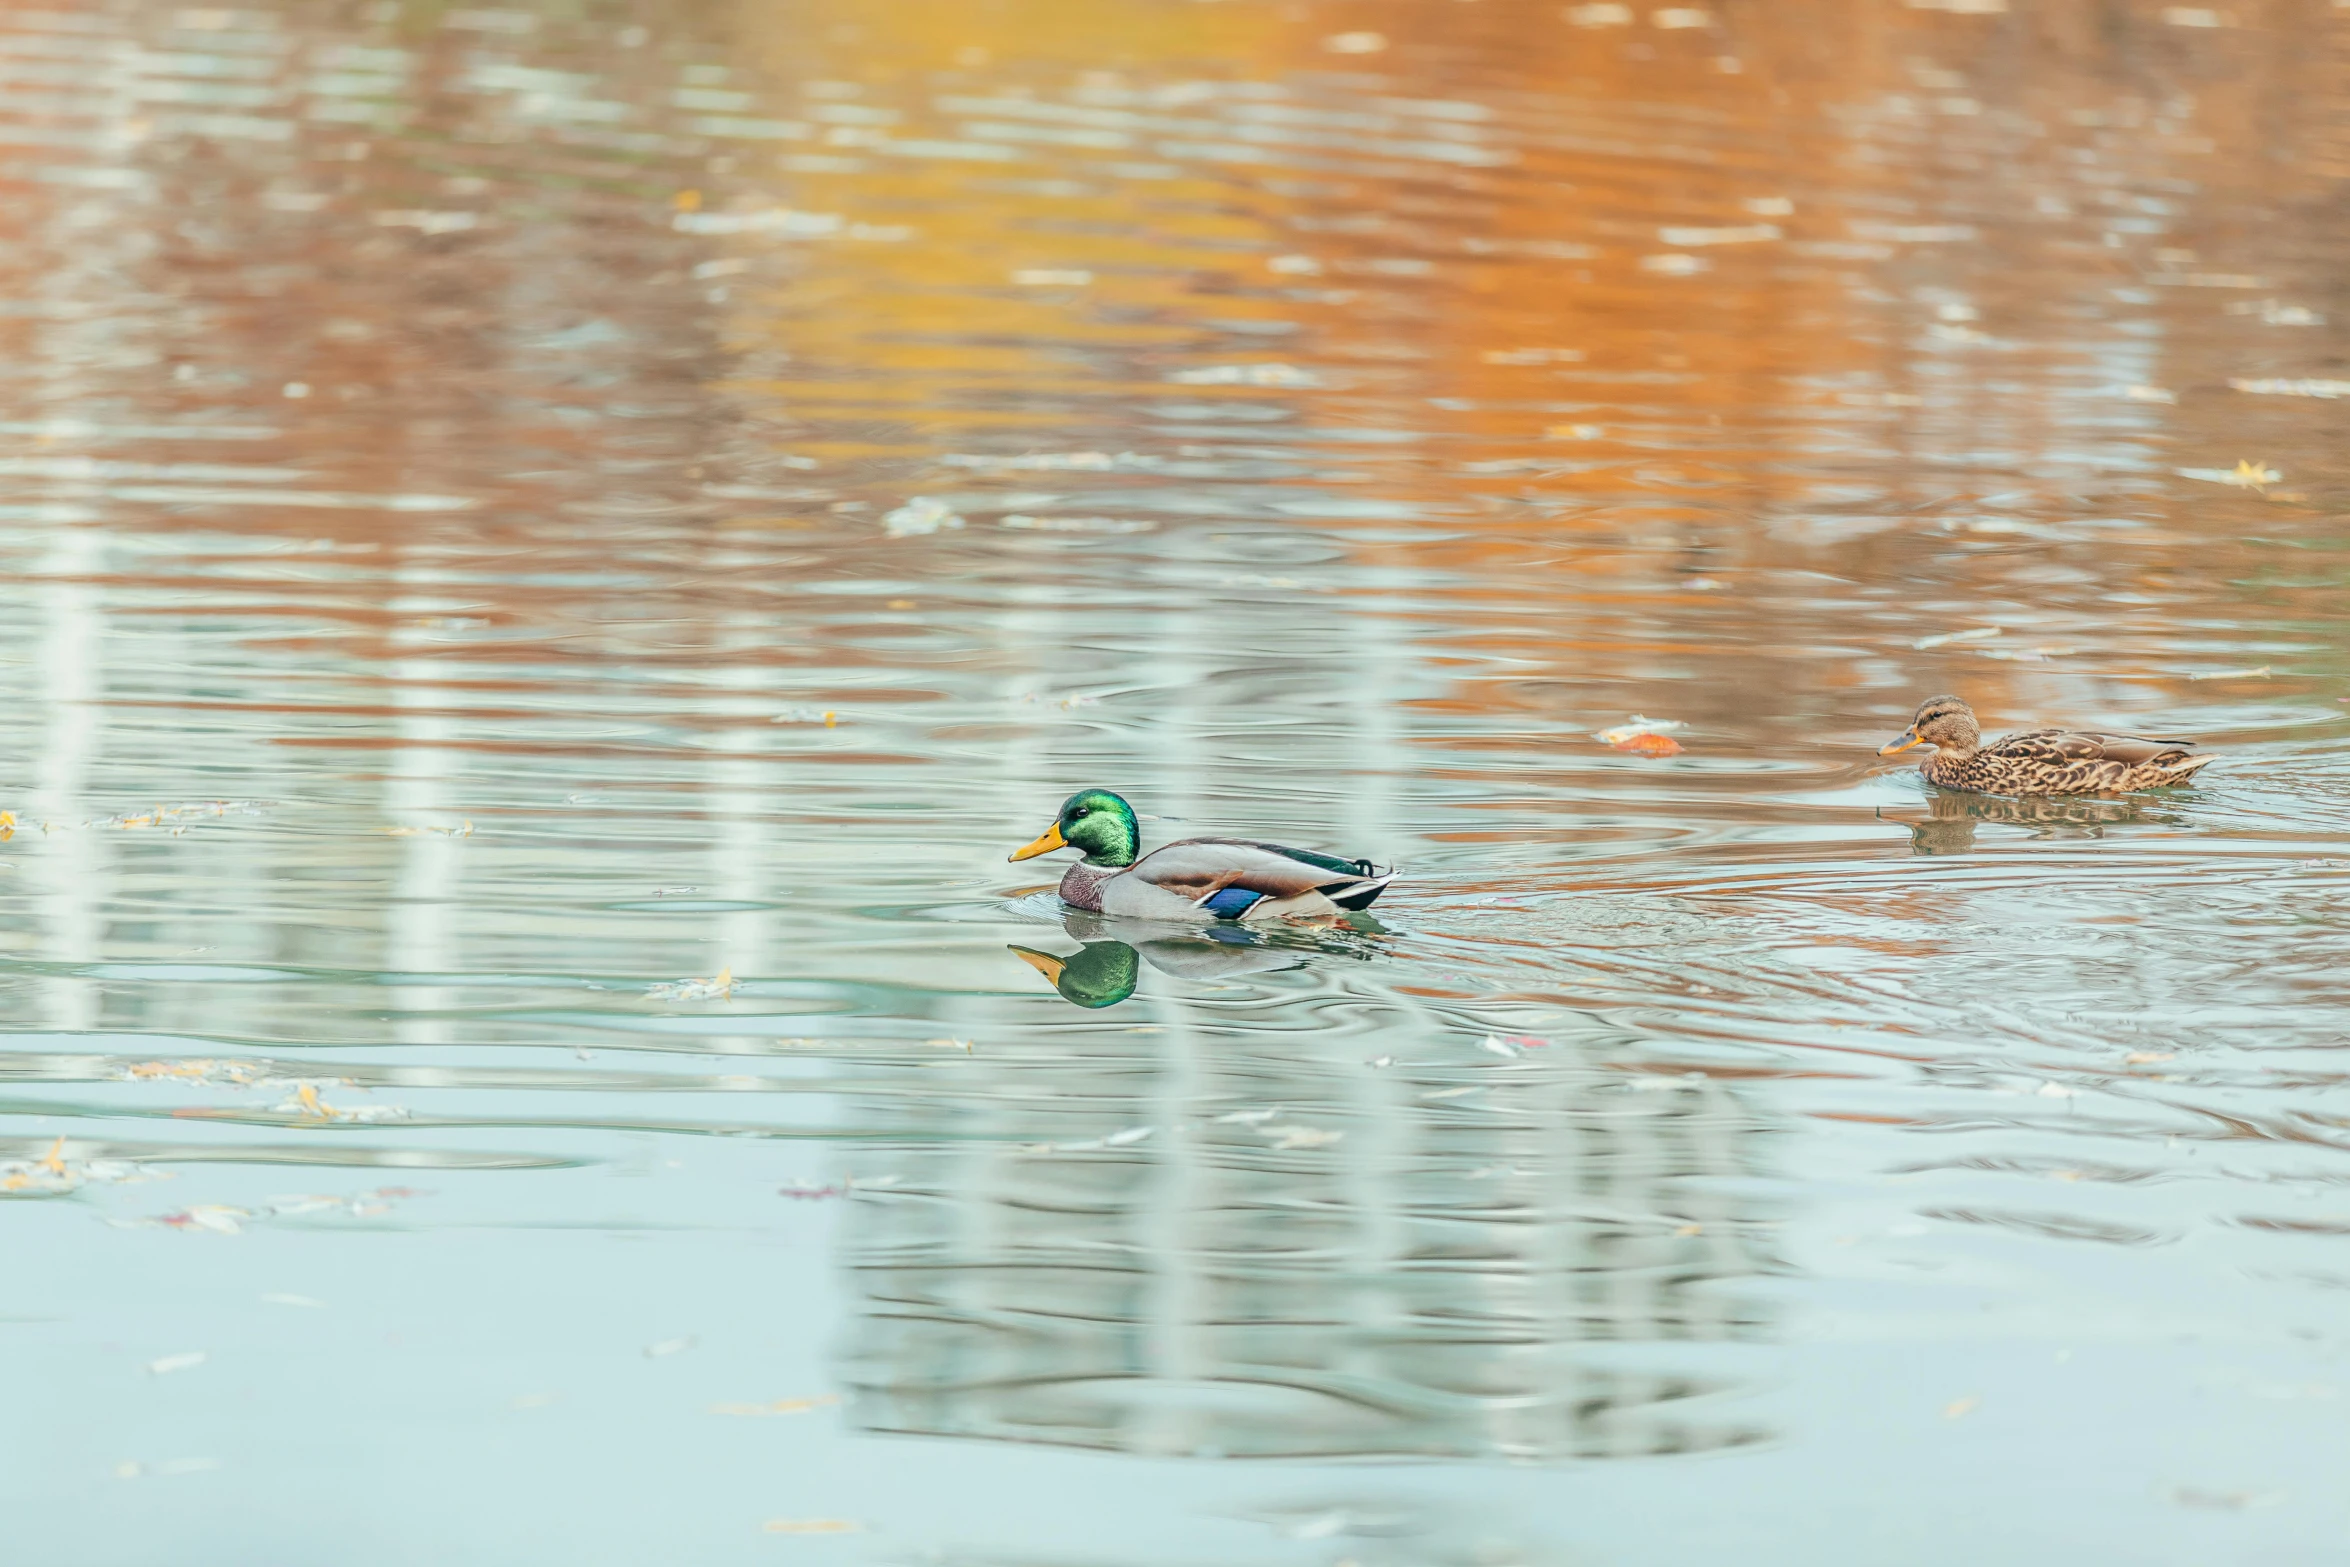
[(546, 557)]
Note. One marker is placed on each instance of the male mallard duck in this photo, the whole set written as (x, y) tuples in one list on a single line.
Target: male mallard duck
[(1199, 878), (2044, 761)]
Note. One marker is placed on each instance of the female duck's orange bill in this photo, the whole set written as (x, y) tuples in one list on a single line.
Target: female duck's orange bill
[(1889, 748), (1046, 844)]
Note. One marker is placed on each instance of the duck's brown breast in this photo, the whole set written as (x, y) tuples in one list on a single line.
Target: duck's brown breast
[(1081, 886)]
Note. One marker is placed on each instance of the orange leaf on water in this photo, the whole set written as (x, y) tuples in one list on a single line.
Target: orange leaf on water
[(1649, 745)]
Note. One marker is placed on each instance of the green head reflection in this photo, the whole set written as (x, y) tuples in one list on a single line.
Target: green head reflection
[(1102, 974)]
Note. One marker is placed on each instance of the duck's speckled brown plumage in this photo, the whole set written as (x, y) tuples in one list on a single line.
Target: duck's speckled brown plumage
[(2041, 761)]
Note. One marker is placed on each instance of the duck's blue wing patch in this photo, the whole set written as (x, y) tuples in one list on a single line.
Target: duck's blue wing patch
[(1232, 902)]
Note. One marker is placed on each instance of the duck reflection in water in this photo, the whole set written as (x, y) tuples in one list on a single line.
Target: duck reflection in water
[(1328, 1227), (1950, 829), (1106, 969)]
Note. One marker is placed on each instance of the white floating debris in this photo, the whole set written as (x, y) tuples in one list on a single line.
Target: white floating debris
[(307, 1104), (716, 987), (1355, 43), (1976, 634), (1600, 15), (54, 1174), (1674, 265), (1120, 1139), (1246, 375), (1295, 266), (2244, 476), (2262, 673), (2195, 16), (921, 515), (2275, 313), (1736, 234), (671, 1346), (1052, 277), (165, 1365), (786, 222), (429, 222), (364, 1205), (1055, 462), (2272, 388), (1291, 1137), (1494, 1044), (1680, 17)]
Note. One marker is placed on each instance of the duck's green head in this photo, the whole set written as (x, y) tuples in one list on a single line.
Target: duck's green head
[(1102, 975), (1096, 821)]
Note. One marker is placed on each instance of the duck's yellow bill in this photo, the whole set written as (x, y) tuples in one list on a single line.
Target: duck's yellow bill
[(1907, 742), (1051, 840), (1043, 962)]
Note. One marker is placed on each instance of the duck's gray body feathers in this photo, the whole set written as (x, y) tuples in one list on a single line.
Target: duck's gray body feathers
[(1225, 878)]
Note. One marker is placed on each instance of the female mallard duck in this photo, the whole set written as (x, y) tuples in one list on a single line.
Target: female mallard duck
[(2044, 761), (1199, 878)]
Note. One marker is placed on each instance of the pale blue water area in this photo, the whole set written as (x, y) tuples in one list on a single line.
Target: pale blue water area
[(548, 556)]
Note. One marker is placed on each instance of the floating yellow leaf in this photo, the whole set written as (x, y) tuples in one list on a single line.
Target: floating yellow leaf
[(2246, 475), (716, 988)]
